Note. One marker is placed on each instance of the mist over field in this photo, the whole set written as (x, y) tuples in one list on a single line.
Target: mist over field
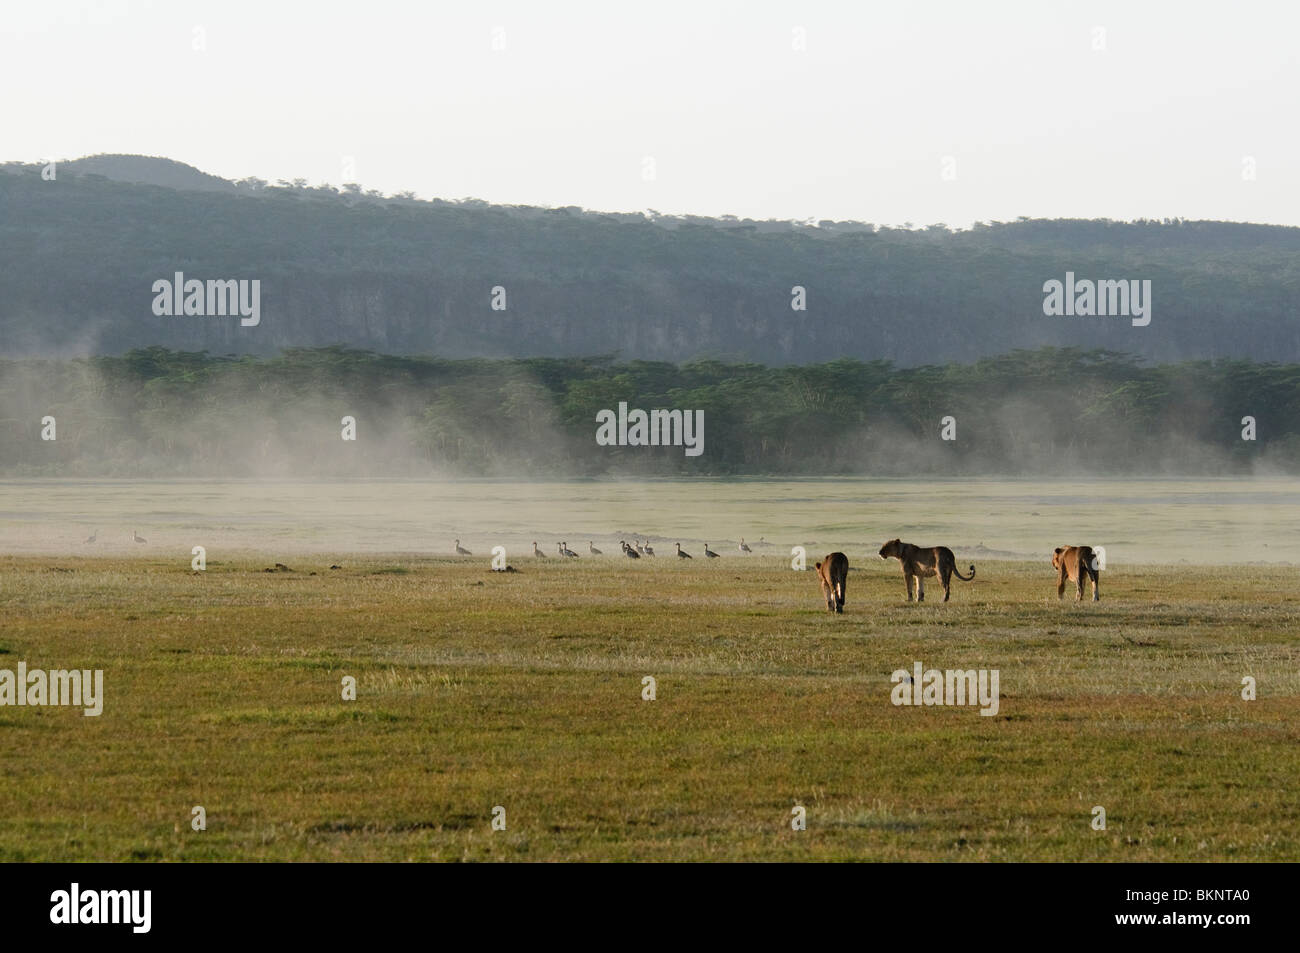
[(313, 525), (335, 412)]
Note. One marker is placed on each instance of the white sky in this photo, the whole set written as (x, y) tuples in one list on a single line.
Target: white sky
[(857, 126)]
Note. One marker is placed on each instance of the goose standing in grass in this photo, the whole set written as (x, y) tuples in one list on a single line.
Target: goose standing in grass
[(682, 554), (592, 547), (461, 551), (93, 536), (537, 552), (628, 551), (710, 553), (136, 537), (564, 548), (637, 544), (743, 548), (649, 550)]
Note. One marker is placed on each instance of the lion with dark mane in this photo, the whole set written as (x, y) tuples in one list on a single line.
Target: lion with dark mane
[(919, 562)]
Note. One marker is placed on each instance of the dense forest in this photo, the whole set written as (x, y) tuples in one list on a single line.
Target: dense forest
[(1065, 412), (399, 275)]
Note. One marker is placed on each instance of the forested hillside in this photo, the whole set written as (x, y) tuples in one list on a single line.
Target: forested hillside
[(403, 276), (1068, 413)]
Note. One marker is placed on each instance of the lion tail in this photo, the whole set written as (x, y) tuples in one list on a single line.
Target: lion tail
[(964, 578)]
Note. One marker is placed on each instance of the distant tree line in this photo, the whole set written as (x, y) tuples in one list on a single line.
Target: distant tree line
[(153, 412)]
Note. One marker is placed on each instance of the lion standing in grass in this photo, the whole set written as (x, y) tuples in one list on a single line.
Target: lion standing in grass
[(919, 562), (833, 572), (1074, 563)]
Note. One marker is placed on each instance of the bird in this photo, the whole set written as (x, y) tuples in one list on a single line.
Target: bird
[(568, 552), (637, 544), (743, 548), (649, 550), (628, 551), (461, 551), (681, 554), (710, 553), (592, 546), (537, 552), (137, 537), (93, 536)]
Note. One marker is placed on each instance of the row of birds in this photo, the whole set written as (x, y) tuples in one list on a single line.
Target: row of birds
[(135, 537), (634, 551)]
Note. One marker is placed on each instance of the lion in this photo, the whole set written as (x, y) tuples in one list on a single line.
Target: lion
[(1074, 563), (833, 572), (920, 562)]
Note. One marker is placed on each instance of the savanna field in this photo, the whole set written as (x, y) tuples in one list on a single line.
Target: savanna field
[(524, 690)]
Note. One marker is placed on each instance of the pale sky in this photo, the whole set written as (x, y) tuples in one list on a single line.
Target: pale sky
[(1038, 108)]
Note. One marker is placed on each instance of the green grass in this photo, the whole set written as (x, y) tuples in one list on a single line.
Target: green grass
[(478, 689)]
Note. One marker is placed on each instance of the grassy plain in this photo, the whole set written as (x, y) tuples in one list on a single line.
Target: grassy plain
[(524, 690)]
